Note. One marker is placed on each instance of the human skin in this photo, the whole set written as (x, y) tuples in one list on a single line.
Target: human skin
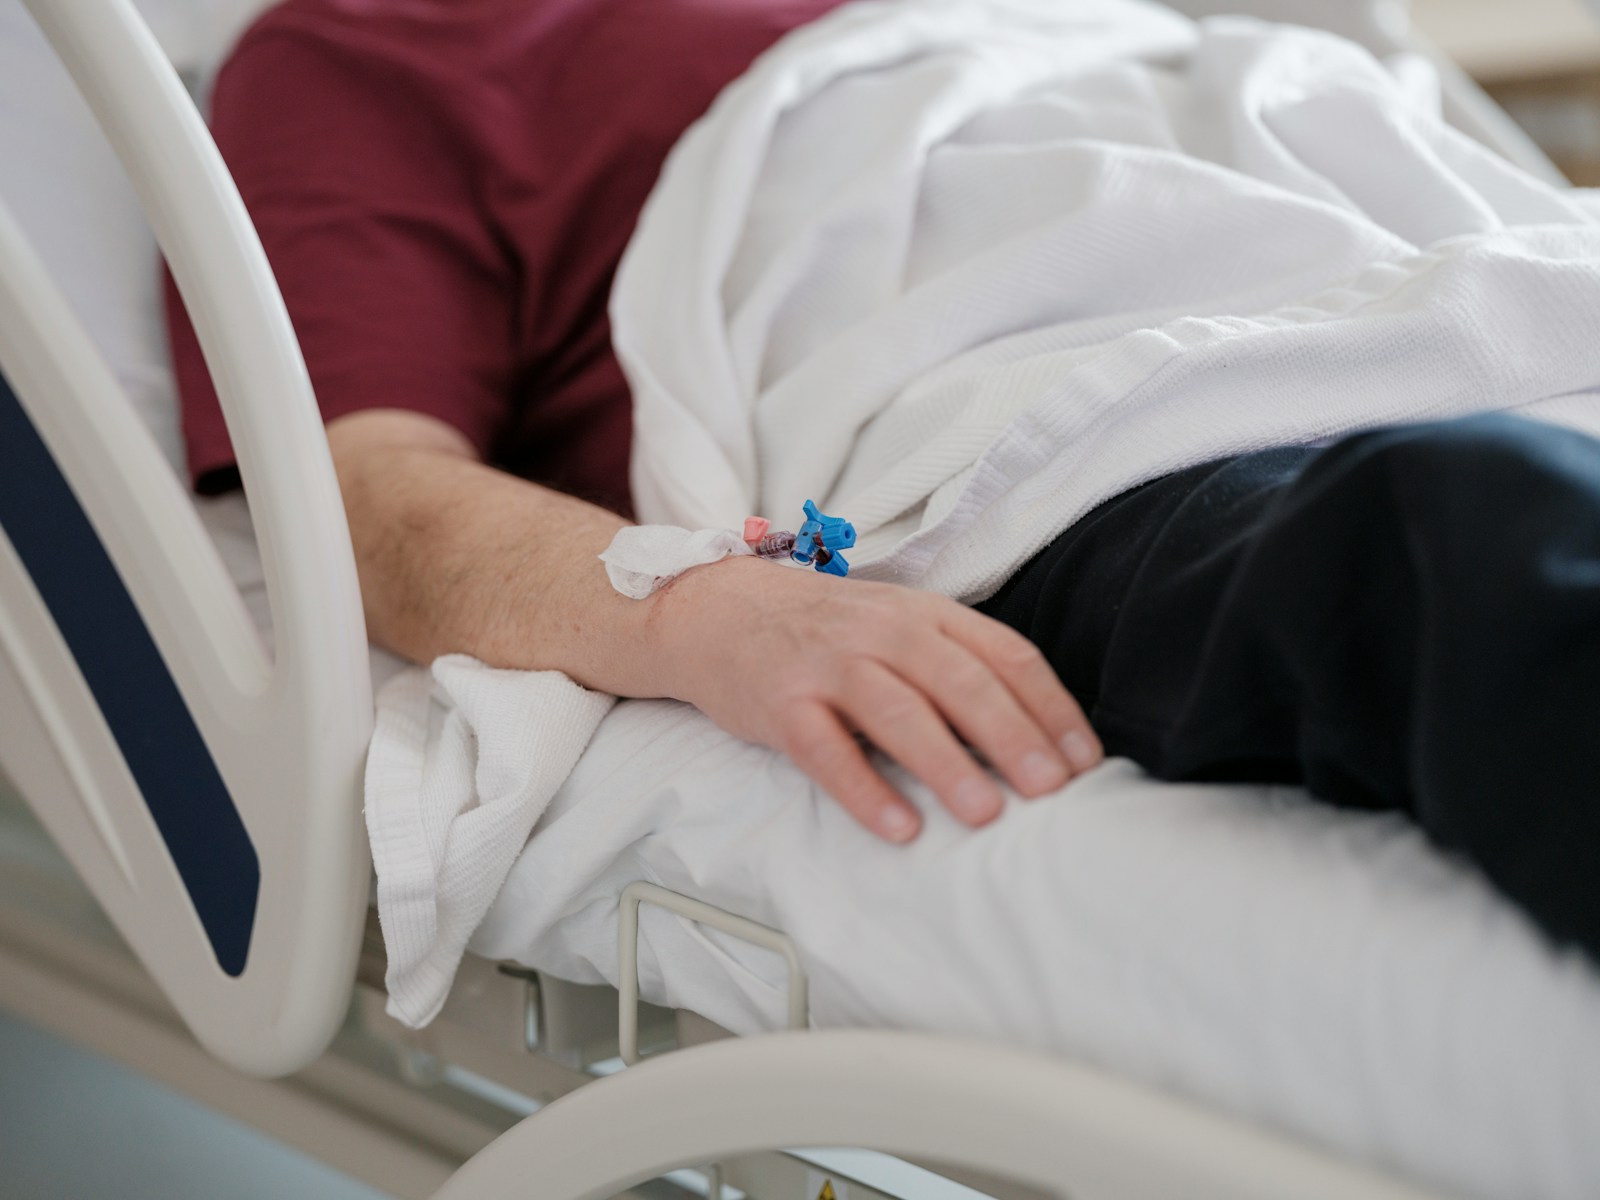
[(455, 556)]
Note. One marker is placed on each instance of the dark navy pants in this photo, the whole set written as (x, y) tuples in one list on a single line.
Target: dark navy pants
[(1408, 619)]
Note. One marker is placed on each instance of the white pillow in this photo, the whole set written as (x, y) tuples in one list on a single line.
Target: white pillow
[(60, 180)]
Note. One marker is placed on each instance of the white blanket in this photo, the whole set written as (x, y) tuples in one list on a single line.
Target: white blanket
[(960, 269)]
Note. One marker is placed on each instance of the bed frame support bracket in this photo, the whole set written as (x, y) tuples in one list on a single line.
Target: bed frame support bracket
[(635, 894)]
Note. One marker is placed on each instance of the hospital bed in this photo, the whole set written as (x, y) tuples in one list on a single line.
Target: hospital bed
[(206, 793)]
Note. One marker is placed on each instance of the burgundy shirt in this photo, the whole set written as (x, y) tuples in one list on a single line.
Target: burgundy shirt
[(444, 189)]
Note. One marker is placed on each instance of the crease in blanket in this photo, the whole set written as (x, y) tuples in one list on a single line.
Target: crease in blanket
[(965, 268)]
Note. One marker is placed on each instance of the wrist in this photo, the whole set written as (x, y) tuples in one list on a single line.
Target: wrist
[(685, 621)]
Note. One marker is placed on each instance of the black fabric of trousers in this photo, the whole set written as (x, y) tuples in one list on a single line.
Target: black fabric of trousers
[(1409, 619)]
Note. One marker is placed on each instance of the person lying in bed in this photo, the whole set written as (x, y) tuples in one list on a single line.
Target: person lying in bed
[(1408, 618)]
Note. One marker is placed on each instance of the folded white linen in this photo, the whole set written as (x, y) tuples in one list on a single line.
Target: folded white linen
[(463, 760), (960, 269)]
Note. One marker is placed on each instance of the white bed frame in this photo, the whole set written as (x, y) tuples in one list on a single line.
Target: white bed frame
[(287, 735)]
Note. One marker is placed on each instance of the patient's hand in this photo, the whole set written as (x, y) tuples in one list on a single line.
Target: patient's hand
[(797, 660)]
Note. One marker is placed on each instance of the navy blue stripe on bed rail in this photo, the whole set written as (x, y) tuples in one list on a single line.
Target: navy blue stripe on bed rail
[(136, 693)]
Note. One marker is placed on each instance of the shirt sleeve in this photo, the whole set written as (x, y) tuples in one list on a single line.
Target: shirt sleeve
[(368, 202)]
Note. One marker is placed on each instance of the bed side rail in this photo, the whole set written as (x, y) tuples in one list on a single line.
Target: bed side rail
[(208, 792)]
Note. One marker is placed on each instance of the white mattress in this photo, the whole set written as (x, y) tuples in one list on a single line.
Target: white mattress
[(1320, 971)]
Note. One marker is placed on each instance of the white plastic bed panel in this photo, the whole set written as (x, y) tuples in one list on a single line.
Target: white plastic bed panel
[(1034, 1120), (287, 735)]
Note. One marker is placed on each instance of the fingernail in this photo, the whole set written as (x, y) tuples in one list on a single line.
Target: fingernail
[(1080, 751), (897, 824), (1038, 772), (975, 800)]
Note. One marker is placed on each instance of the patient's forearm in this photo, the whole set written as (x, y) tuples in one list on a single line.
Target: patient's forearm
[(455, 556)]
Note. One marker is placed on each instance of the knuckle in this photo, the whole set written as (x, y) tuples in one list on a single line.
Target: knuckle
[(793, 716), (969, 681), (1013, 652), (943, 772), (898, 708), (899, 638), (978, 702), (855, 791), (857, 797), (855, 677), (1007, 750), (810, 745)]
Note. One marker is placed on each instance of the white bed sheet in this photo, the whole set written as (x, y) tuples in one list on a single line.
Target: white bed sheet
[(1324, 972)]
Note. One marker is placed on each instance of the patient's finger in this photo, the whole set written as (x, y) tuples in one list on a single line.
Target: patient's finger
[(905, 725), (1033, 681), (820, 747), (983, 710)]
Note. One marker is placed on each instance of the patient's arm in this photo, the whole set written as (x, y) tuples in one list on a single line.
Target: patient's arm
[(457, 556)]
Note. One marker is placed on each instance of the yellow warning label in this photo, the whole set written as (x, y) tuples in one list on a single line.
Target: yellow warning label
[(820, 1186)]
